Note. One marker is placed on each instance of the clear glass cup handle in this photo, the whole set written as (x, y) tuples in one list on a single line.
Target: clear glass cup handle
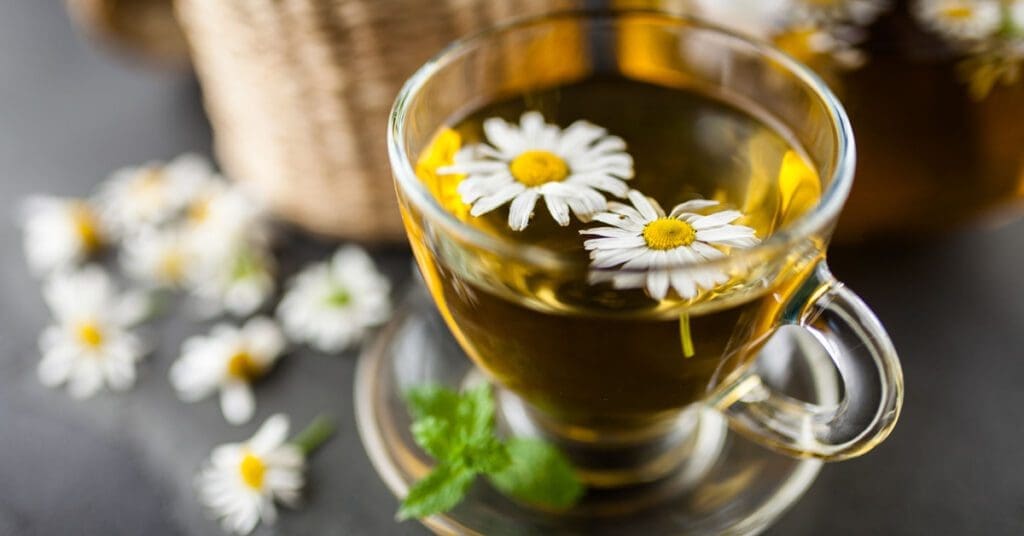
[(869, 371)]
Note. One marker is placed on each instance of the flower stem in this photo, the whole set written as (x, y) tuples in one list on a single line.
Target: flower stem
[(315, 434), (684, 334)]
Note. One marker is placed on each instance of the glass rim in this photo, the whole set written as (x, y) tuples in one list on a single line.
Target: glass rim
[(816, 220)]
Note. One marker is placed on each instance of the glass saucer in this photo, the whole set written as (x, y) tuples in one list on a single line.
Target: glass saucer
[(726, 484)]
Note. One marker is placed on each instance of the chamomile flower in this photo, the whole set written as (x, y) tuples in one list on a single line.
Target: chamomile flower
[(241, 481), (140, 197), (965, 20), (521, 164), (90, 345), (331, 305), (239, 280), (221, 215), (859, 12), (160, 257), (228, 360), (658, 251), (59, 232)]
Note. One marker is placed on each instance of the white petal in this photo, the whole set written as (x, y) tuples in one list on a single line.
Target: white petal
[(683, 284), (644, 205), (504, 136), (272, 433), (577, 136), (558, 208), (602, 181), (608, 232), (615, 243), (620, 221), (86, 379), (237, 402), (55, 366), (657, 283), (693, 204), (716, 219), (521, 211), (264, 338), (499, 198)]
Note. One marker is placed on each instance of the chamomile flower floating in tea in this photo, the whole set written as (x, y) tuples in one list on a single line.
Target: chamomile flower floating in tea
[(136, 198), (660, 251), (961, 19), (331, 305), (59, 232), (228, 360), (91, 343), (241, 481), (521, 164)]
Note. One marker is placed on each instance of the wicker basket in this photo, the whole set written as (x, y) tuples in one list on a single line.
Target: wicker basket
[(298, 92)]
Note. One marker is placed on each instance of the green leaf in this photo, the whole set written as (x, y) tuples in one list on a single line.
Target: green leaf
[(434, 435), (439, 491), (486, 454), (539, 474), (476, 413), (433, 401)]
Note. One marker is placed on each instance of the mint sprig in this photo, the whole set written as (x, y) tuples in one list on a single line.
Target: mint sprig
[(457, 429)]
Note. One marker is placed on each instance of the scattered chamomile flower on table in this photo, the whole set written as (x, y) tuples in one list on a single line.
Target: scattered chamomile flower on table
[(658, 251), (241, 481), (158, 257), (331, 305), (137, 198), (967, 20), (59, 232), (239, 280), (228, 360), (568, 168), (91, 343)]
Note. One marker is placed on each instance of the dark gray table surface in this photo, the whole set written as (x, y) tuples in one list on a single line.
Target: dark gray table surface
[(123, 464)]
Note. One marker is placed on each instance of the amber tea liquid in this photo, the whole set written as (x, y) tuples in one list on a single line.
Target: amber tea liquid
[(588, 354)]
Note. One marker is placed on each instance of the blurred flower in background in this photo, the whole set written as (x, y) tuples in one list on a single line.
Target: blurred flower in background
[(60, 232), (228, 360), (91, 343)]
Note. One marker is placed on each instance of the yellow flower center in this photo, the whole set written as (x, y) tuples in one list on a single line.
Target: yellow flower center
[(958, 12), (86, 226), (243, 366), (172, 266), (199, 210), (534, 168), (252, 469), (89, 334), (668, 233)]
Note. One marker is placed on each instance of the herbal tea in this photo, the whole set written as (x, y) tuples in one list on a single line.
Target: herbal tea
[(639, 183)]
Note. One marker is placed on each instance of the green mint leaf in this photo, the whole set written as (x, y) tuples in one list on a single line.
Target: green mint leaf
[(476, 413), (486, 454), (433, 401), (434, 435), (439, 491), (539, 474)]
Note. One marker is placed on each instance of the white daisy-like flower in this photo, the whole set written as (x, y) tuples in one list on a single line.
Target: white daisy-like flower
[(522, 163), (239, 280), (90, 345), (1016, 11), (859, 12), (59, 232), (228, 360), (161, 257), (241, 481), (136, 198), (658, 251), (967, 20), (221, 215), (331, 305)]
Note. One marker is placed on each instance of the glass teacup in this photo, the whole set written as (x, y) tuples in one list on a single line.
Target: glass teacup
[(609, 359)]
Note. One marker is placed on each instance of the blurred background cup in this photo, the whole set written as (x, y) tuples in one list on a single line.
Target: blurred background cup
[(296, 91)]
